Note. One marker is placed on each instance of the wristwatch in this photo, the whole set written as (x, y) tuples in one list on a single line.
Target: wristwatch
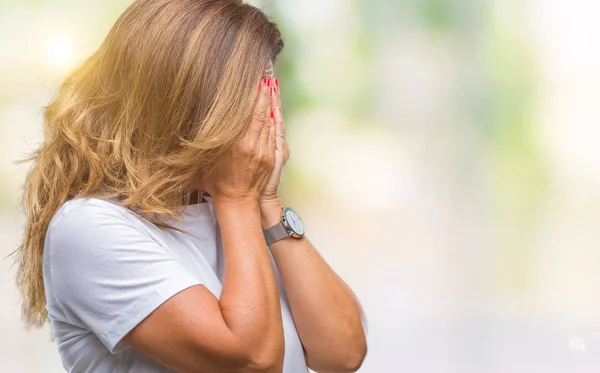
[(290, 225)]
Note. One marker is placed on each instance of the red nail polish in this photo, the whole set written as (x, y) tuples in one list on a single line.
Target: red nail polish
[(275, 89), (272, 115), (277, 82), (265, 81), (269, 82)]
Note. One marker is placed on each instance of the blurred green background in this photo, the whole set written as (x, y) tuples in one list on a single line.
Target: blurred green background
[(445, 158)]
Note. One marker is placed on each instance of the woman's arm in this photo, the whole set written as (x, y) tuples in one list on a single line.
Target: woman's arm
[(326, 312), (242, 332)]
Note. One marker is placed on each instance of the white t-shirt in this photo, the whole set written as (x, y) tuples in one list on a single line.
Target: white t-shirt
[(107, 268)]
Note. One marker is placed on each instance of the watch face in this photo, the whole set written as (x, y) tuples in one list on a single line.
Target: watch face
[(294, 221)]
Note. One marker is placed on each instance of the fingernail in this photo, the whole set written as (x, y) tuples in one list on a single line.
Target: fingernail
[(271, 92), (265, 81), (277, 82), (269, 82), (275, 89), (280, 110), (272, 115)]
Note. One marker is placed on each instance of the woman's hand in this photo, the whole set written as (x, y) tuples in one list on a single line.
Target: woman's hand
[(242, 174), (270, 203), (282, 154)]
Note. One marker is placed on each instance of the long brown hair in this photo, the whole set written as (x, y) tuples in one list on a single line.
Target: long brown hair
[(166, 94)]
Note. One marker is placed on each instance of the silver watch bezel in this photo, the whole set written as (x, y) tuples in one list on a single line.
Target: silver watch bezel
[(287, 225)]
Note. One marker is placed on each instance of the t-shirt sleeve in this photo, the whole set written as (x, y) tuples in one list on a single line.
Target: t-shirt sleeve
[(107, 272)]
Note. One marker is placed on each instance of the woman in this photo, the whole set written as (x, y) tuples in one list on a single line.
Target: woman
[(152, 200)]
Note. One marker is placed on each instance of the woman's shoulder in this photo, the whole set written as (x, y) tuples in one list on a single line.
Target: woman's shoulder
[(90, 213), (88, 230)]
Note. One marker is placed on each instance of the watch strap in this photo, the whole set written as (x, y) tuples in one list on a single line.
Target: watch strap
[(275, 233)]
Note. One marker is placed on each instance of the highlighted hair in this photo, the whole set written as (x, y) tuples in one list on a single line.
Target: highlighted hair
[(166, 94)]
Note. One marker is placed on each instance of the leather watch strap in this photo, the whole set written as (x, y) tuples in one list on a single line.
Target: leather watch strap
[(275, 233)]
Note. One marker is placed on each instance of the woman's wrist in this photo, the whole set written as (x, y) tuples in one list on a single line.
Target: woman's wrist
[(270, 211), (240, 207)]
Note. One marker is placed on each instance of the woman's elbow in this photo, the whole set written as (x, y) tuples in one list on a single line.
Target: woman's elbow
[(266, 363), (247, 356), (354, 363), (265, 359), (354, 358), (346, 360)]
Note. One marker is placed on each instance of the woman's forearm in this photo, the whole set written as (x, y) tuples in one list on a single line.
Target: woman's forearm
[(250, 299), (326, 312)]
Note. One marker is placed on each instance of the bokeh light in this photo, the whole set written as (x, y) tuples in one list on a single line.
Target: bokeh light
[(60, 51)]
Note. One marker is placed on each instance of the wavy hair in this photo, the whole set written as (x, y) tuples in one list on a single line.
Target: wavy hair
[(166, 94)]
